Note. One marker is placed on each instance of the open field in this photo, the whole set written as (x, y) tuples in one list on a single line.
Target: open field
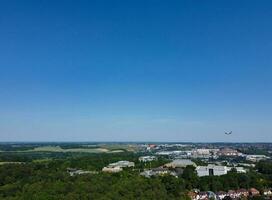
[(59, 149), (69, 148)]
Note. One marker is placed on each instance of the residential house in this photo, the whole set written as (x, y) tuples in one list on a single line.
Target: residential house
[(253, 192), (267, 192), (203, 195), (242, 192), (221, 195), (232, 194), (193, 195)]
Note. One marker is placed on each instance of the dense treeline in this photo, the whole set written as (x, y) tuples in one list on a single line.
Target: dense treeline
[(233, 181), (254, 150), (49, 180), (30, 156), (264, 167)]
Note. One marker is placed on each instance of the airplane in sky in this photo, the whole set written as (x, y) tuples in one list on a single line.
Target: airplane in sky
[(228, 133)]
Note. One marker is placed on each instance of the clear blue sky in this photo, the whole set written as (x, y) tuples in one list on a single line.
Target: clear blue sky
[(135, 70)]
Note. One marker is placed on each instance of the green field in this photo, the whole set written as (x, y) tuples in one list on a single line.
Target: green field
[(59, 149), (73, 150)]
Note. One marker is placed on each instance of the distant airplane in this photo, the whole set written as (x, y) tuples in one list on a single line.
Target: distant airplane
[(228, 133)]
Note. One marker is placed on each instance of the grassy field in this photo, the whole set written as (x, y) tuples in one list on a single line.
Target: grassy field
[(119, 147), (71, 148), (59, 149)]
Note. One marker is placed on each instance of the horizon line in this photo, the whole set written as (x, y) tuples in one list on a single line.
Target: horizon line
[(177, 142)]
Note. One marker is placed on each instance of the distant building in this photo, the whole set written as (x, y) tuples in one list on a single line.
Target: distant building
[(147, 173), (160, 171), (204, 153), (176, 153), (150, 147), (201, 153), (147, 158), (122, 163), (74, 172), (115, 169), (211, 170), (216, 170), (256, 158), (155, 172), (228, 152), (246, 164), (238, 169), (118, 166), (180, 163)]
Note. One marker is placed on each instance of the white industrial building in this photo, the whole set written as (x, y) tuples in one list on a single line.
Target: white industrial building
[(122, 163), (147, 158), (180, 163), (211, 170), (112, 169), (74, 172), (118, 166), (216, 170)]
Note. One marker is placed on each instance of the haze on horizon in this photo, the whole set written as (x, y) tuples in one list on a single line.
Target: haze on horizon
[(184, 71)]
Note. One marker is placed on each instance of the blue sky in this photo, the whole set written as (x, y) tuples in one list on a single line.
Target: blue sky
[(135, 70)]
